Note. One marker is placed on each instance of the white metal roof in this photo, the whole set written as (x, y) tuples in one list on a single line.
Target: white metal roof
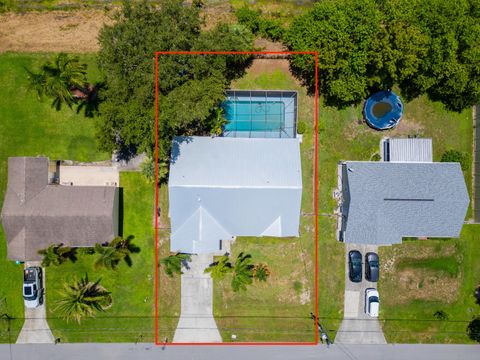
[(235, 162), (409, 149), (225, 187)]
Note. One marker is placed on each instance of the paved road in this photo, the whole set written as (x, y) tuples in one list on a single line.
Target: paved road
[(35, 328), (357, 327), (196, 323), (151, 352)]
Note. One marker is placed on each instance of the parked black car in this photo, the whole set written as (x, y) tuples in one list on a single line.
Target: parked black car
[(355, 266), (371, 267)]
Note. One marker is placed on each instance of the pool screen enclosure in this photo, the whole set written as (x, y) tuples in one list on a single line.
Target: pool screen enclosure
[(260, 113)]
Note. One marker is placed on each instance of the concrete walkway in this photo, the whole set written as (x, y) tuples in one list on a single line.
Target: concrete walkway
[(357, 327), (35, 329), (196, 322)]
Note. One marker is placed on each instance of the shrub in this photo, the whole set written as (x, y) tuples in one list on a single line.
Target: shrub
[(301, 127), (376, 157), (473, 329), (297, 286), (440, 315), (261, 272), (457, 156), (268, 28)]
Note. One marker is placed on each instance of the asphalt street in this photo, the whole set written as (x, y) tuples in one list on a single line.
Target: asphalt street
[(222, 352)]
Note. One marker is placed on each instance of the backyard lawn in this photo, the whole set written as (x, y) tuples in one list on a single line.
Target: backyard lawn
[(30, 128), (130, 319)]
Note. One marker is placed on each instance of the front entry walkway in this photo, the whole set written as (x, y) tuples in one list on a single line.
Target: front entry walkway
[(357, 327), (35, 329), (196, 322)]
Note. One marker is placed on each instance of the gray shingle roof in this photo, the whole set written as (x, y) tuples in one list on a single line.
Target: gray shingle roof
[(384, 202), (224, 187), (36, 215)]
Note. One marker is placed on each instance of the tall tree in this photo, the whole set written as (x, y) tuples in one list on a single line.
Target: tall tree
[(348, 35), (57, 254), (189, 86), (438, 51), (424, 46), (58, 78), (82, 298)]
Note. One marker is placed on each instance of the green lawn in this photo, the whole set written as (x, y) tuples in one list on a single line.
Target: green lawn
[(419, 278), (169, 287), (29, 127), (130, 319)]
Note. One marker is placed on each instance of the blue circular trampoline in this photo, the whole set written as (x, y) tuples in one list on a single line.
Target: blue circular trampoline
[(383, 110)]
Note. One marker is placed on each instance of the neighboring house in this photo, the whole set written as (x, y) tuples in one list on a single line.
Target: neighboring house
[(37, 213), (381, 202), (221, 187)]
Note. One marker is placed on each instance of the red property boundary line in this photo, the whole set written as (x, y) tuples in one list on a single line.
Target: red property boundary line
[(156, 283)]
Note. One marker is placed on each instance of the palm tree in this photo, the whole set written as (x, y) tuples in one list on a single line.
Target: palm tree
[(261, 272), (173, 263), (82, 298), (125, 247), (117, 250), (108, 257), (220, 268), (60, 79), (242, 272), (57, 254)]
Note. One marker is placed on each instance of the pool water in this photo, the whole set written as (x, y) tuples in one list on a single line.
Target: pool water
[(381, 109), (254, 115)]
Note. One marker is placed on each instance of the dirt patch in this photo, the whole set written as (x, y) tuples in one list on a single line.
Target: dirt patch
[(403, 251), (218, 13), (52, 31), (425, 285), (406, 127)]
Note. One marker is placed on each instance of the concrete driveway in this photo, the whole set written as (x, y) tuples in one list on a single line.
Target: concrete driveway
[(196, 323), (357, 327), (35, 329)]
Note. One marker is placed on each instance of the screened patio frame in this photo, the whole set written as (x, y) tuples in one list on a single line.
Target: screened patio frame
[(288, 127)]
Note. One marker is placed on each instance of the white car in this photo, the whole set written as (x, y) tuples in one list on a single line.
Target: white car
[(32, 287), (372, 302)]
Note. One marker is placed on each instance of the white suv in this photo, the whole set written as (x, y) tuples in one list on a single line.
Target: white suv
[(32, 287), (372, 302)]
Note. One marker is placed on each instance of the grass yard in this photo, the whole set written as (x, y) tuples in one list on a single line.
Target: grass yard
[(30, 128), (419, 278), (169, 287), (278, 310), (130, 319)]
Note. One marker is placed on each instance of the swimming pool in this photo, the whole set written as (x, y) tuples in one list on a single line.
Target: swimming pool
[(383, 110), (254, 113)]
